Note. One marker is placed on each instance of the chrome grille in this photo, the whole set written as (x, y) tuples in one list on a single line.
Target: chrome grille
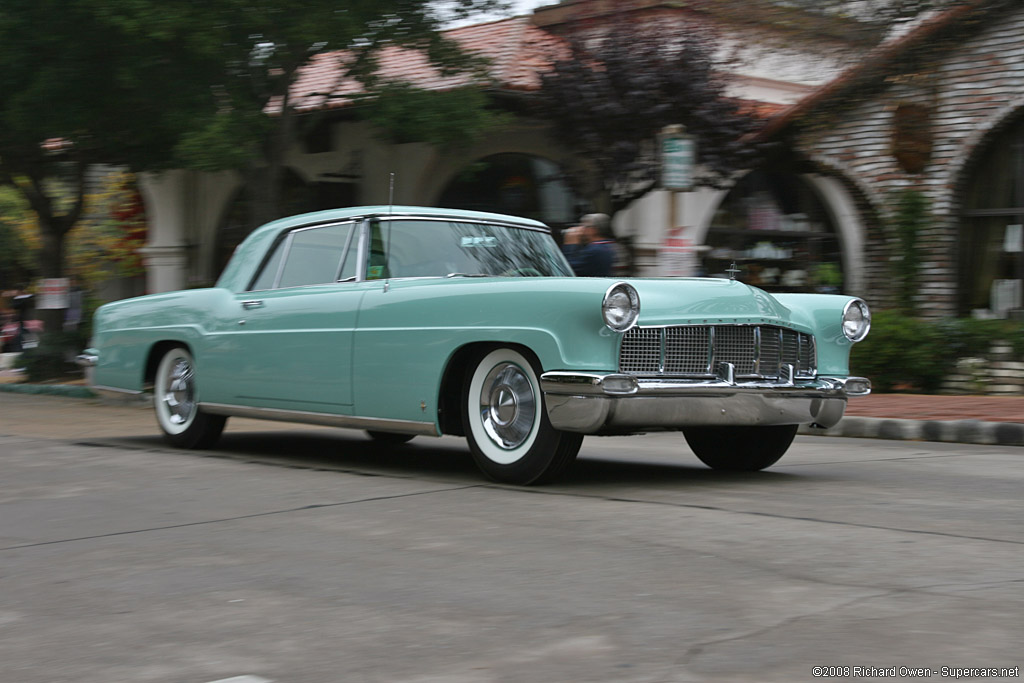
[(686, 350), (755, 351), (643, 351)]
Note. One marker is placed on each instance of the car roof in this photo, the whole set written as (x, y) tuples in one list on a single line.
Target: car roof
[(398, 211), (251, 250)]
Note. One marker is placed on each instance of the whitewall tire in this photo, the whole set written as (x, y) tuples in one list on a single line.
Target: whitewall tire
[(507, 426), (176, 400)]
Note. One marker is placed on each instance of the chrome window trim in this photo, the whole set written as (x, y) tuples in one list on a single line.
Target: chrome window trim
[(458, 219), (287, 247)]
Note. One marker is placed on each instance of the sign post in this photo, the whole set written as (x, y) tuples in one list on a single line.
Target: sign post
[(678, 154)]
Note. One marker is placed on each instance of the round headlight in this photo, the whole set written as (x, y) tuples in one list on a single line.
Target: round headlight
[(621, 307), (856, 320)]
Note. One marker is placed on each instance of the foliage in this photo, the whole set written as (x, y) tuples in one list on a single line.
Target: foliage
[(156, 85), (403, 113), (18, 241), (106, 242), (970, 337), (911, 214), (251, 55), (50, 360), (903, 353), (610, 98)]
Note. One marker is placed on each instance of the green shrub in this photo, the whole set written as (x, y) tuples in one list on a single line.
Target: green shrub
[(909, 354), (50, 360), (900, 354)]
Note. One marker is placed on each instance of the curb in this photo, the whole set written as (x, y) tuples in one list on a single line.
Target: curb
[(68, 390), (947, 431), (944, 431)]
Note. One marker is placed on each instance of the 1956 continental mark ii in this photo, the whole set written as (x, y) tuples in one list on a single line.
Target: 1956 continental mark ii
[(412, 321)]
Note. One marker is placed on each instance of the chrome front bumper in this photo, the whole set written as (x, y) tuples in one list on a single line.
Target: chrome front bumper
[(613, 403)]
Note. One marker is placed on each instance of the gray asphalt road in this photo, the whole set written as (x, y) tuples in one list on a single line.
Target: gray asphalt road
[(309, 556)]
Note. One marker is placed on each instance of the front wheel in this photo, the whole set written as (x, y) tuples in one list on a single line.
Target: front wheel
[(177, 407), (507, 427), (740, 449)]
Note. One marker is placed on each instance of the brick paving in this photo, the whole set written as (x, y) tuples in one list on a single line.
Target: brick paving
[(932, 407)]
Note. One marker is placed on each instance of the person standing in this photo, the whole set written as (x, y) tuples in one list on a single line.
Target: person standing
[(590, 248)]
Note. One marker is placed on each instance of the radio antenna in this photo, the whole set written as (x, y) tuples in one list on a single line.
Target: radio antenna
[(391, 193)]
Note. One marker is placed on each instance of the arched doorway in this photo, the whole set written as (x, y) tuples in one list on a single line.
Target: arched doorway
[(517, 184), (990, 271), (777, 230)]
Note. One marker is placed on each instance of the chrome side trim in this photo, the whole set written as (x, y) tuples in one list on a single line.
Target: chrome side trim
[(326, 419), (116, 392)]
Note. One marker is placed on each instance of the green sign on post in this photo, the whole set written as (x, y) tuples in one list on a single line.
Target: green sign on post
[(678, 153)]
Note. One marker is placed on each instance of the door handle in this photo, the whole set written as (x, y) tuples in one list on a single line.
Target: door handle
[(252, 303)]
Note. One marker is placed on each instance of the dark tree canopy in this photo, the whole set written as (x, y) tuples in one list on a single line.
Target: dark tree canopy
[(202, 85), (611, 97)]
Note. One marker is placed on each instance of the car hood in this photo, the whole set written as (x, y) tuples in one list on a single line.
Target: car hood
[(705, 300)]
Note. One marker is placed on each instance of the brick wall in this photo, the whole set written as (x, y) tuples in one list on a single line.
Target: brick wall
[(974, 85)]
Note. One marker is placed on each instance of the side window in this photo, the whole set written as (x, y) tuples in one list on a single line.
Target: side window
[(267, 276), (315, 255)]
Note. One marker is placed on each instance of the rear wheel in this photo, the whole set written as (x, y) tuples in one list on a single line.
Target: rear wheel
[(177, 407), (507, 427), (740, 449)]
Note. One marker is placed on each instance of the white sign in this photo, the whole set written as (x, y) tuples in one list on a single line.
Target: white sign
[(54, 293), (677, 158), (677, 257)]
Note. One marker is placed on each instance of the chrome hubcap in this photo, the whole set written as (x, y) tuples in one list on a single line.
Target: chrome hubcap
[(179, 394), (508, 406)]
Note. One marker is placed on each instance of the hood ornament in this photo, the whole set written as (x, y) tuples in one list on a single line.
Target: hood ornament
[(733, 271)]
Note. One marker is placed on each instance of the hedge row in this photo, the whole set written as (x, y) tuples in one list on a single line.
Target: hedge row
[(909, 354)]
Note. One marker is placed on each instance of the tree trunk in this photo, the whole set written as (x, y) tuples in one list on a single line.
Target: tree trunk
[(51, 265)]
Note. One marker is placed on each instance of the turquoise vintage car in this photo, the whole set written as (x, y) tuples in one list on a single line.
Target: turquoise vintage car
[(406, 321)]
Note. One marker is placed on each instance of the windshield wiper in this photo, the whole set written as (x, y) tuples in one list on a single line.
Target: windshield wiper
[(467, 275)]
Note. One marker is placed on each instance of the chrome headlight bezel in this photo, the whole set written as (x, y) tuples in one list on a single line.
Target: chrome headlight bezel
[(620, 307), (856, 321)]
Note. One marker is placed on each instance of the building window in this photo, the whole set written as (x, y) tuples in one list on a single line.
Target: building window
[(991, 258), (777, 231)]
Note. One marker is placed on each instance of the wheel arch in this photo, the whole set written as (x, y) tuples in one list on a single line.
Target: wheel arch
[(460, 365), (156, 352)]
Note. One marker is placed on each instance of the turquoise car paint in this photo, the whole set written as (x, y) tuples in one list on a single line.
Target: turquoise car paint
[(408, 333), (817, 313), (355, 351)]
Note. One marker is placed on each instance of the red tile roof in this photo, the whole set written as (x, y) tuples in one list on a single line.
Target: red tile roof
[(519, 52)]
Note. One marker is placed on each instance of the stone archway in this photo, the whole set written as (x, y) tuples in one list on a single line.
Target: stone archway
[(788, 232)]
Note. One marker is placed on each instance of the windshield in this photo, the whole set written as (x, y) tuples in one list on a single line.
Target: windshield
[(441, 248)]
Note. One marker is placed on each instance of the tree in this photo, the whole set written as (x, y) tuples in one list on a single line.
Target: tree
[(259, 48), (78, 91), (609, 99), (154, 86), (17, 259)]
